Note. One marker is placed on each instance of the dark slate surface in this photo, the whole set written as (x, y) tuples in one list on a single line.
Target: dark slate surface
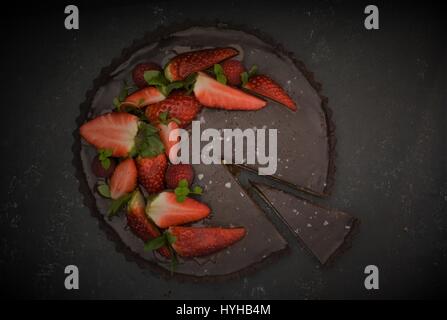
[(386, 89)]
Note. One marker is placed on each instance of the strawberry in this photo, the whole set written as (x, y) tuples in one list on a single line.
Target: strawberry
[(194, 242), (165, 131), (143, 97), (151, 172), (214, 94), (99, 170), (232, 70), (265, 86), (179, 105), (165, 211), (188, 63), (139, 70), (124, 179), (114, 131), (140, 224), (178, 172)]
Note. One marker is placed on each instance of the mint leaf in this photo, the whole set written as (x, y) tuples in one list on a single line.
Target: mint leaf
[(147, 129), (148, 143), (103, 156), (155, 78), (253, 70), (189, 83), (245, 76), (151, 147), (220, 76), (105, 163), (183, 183), (103, 190), (122, 95), (182, 190), (170, 238), (197, 190), (155, 243), (116, 103), (166, 90), (107, 152), (118, 204)]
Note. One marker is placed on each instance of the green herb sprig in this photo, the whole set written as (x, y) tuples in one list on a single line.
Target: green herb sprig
[(182, 190)]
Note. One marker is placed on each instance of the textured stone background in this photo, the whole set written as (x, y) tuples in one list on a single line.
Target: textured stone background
[(386, 88)]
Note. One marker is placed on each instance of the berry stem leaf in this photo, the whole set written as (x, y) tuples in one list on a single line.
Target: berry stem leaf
[(253, 70), (220, 76), (245, 76), (155, 243), (118, 204), (170, 238)]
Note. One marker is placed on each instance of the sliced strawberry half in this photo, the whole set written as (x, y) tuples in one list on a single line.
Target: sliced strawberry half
[(124, 179), (165, 131), (213, 94), (187, 63), (115, 131), (165, 211), (143, 97), (194, 241), (140, 224), (266, 87)]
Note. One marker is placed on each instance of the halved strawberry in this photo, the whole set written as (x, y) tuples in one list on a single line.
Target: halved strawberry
[(194, 241), (214, 94), (115, 131), (124, 179), (165, 131), (188, 63), (179, 105), (151, 172), (143, 97), (265, 86), (165, 211), (140, 224)]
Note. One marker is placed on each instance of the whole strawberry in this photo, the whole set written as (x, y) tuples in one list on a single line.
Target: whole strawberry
[(179, 105), (178, 172), (151, 172), (100, 169), (139, 70), (232, 70)]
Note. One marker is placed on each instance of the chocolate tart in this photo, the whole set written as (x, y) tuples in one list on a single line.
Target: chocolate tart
[(305, 145)]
